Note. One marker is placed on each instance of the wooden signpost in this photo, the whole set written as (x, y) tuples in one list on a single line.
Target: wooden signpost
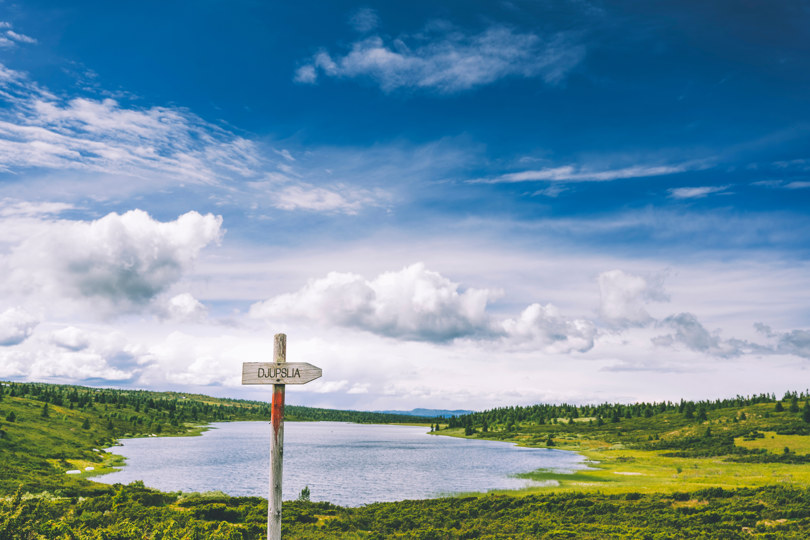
[(279, 373)]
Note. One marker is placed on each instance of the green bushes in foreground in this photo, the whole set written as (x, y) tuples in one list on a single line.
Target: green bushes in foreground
[(129, 512)]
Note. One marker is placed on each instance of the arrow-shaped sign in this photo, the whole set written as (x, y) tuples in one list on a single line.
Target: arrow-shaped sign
[(279, 372)]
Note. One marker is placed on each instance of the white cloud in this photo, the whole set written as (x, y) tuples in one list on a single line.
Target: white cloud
[(689, 332), (306, 74), (9, 38), (75, 354), (31, 209), (546, 327), (413, 303), (364, 20), (695, 192), (336, 199), (16, 325), (205, 358), (119, 261), (20, 38), (793, 342), (183, 307), (38, 129), (418, 304), (450, 61), (623, 297), (569, 173), (285, 154), (328, 387), (71, 338)]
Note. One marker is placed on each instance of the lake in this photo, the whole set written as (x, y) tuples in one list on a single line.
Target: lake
[(346, 464)]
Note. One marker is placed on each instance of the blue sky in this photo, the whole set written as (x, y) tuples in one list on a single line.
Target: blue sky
[(602, 201)]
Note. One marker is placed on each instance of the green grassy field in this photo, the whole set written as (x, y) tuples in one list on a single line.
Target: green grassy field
[(733, 447), (723, 469)]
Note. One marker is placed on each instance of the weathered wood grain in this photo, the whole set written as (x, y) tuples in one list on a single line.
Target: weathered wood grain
[(279, 373)]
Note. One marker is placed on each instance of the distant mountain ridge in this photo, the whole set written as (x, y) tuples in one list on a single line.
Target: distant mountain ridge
[(430, 412)]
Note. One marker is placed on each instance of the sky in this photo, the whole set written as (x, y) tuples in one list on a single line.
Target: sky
[(443, 204)]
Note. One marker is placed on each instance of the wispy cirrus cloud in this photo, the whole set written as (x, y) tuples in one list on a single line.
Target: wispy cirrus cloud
[(364, 20), (695, 192), (338, 199), (40, 130), (102, 137), (449, 61), (9, 38), (571, 173)]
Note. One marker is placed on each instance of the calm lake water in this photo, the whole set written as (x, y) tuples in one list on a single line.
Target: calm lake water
[(346, 464)]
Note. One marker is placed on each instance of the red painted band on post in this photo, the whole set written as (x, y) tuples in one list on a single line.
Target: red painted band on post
[(277, 410)]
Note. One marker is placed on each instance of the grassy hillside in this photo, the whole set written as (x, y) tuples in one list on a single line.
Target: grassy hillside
[(661, 447)]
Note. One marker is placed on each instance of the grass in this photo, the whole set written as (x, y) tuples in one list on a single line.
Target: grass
[(625, 471), (776, 443), (622, 458)]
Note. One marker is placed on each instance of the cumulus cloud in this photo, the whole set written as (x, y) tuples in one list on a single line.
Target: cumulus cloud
[(623, 297), (421, 305), (75, 354), (16, 325), (690, 333), (413, 303), (449, 61), (183, 307), (71, 338), (793, 342), (124, 260), (546, 327)]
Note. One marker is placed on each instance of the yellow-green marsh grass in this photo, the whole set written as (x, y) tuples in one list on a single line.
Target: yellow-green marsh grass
[(775, 443), (615, 469), (622, 471)]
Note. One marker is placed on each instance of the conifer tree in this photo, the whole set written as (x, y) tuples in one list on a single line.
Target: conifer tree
[(794, 404)]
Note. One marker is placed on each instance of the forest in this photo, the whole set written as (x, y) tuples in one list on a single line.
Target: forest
[(730, 468)]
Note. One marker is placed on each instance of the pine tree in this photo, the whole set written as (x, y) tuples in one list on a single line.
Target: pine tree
[(304, 495), (689, 410), (45, 413), (806, 412), (794, 404)]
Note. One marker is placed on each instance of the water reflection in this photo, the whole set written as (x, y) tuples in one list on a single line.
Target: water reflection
[(347, 464)]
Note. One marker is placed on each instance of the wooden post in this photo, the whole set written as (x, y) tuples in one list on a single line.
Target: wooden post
[(279, 373), (276, 445)]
